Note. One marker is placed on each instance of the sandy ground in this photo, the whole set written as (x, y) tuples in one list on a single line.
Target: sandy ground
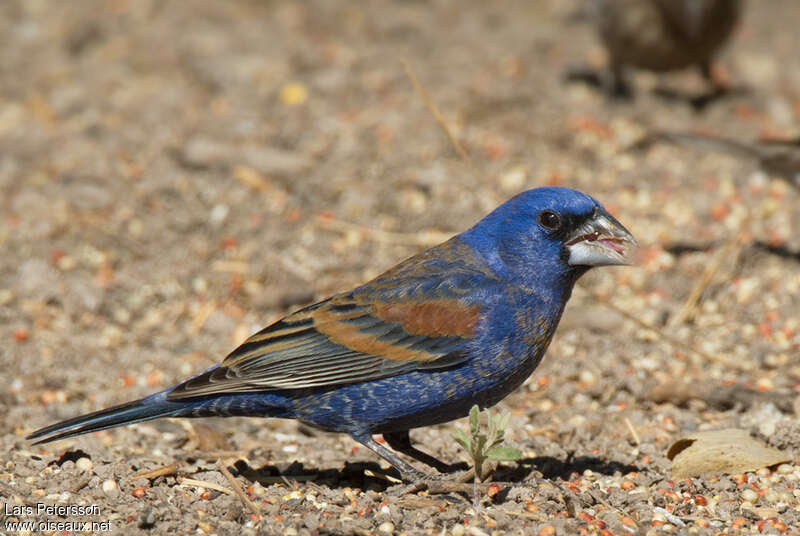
[(176, 175)]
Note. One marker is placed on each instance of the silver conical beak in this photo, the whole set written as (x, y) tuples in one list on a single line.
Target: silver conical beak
[(601, 241)]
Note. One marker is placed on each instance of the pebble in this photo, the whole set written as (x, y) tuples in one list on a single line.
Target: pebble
[(514, 179), (203, 152), (110, 488), (749, 495), (218, 214), (386, 527), (785, 468), (458, 530), (294, 93), (6, 296), (83, 464), (275, 162), (587, 377), (38, 280)]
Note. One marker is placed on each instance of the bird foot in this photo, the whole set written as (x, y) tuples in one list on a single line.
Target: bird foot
[(413, 477), (458, 476), (419, 481)]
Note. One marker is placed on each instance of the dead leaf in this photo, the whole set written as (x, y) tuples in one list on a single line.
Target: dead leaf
[(721, 451)]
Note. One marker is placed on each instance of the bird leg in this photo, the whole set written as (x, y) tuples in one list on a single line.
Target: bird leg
[(719, 87), (407, 470), (618, 87), (401, 442)]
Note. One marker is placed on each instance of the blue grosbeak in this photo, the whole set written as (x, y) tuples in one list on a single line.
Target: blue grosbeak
[(462, 323)]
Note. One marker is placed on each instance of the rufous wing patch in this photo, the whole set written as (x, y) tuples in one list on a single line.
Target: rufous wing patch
[(436, 318), (440, 318), (348, 335)]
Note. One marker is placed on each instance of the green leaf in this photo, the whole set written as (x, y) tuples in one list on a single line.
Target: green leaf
[(480, 445), (504, 454), (462, 439), (503, 420), (474, 419), (497, 441)]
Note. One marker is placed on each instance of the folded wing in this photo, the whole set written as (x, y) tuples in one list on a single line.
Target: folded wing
[(342, 340)]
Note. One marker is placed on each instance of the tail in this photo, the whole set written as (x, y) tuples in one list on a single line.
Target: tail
[(145, 409)]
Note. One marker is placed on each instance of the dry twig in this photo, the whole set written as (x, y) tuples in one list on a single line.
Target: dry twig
[(658, 331), (150, 474), (437, 115), (237, 489), (689, 308), (633, 431), (205, 485)]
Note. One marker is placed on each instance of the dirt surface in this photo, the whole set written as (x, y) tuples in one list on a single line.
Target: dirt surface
[(176, 175)]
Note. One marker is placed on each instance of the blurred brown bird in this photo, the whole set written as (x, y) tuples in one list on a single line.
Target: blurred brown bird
[(663, 35)]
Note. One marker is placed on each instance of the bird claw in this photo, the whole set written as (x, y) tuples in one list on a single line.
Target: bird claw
[(458, 476), (416, 477)]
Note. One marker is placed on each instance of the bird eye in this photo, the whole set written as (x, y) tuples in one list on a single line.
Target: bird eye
[(549, 220)]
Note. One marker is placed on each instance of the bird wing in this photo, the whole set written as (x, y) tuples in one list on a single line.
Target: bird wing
[(349, 338)]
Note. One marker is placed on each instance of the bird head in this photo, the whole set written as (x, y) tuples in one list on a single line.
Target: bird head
[(548, 235)]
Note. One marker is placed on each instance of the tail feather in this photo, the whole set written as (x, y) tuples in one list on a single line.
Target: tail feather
[(129, 413)]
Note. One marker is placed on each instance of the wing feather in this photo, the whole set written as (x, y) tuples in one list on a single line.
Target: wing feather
[(340, 341)]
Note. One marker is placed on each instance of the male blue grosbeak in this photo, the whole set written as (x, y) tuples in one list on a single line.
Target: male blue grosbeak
[(462, 323)]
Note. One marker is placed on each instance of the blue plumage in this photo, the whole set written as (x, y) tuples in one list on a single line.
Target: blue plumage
[(462, 323)]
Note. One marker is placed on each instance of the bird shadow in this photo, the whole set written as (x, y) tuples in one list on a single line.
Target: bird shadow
[(352, 475), (555, 469), (359, 474), (601, 80), (699, 102)]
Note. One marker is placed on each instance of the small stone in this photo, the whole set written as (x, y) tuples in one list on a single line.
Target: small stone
[(587, 377), (218, 214), (83, 464), (296, 494), (275, 162), (514, 179), (749, 495), (38, 280), (135, 227), (110, 488), (204, 152), (294, 93), (386, 527), (200, 285), (5, 296), (785, 468), (764, 385), (67, 263), (458, 530)]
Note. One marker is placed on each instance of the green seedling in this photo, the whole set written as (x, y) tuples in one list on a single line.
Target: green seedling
[(486, 446)]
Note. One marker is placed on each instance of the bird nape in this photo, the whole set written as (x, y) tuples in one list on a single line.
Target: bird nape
[(462, 323)]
